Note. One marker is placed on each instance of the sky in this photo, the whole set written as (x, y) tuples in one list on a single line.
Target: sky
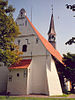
[(41, 14)]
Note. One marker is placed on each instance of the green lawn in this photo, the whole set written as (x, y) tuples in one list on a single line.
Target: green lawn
[(31, 98)]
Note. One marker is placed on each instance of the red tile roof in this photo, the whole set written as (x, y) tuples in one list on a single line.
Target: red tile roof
[(21, 65), (48, 46)]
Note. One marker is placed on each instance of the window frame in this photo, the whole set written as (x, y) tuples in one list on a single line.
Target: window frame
[(18, 74), (24, 48)]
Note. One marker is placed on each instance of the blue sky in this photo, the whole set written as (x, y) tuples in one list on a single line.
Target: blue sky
[(41, 14)]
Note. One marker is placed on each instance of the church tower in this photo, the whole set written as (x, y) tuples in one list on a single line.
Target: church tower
[(52, 33)]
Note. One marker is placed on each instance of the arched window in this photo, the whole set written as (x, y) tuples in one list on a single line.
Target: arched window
[(18, 75), (24, 48)]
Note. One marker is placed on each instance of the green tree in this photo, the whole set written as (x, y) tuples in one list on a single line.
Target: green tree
[(9, 52), (70, 41), (69, 61), (72, 8)]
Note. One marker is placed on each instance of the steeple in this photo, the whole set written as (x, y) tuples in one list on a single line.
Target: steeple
[(51, 32), (51, 29)]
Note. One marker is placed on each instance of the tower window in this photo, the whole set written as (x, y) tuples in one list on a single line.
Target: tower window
[(24, 49), (52, 36), (49, 37)]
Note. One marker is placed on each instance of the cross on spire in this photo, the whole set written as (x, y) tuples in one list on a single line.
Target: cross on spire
[(52, 8)]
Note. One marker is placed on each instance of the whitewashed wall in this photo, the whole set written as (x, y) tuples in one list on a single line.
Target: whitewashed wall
[(3, 78), (27, 32), (53, 79), (18, 85), (37, 79)]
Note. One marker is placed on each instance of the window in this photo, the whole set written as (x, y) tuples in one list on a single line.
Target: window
[(10, 78), (18, 42), (25, 73), (27, 41), (17, 74), (37, 40), (53, 37), (21, 13), (49, 37), (25, 22), (24, 49)]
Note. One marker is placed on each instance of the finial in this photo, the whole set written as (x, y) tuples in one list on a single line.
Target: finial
[(52, 8)]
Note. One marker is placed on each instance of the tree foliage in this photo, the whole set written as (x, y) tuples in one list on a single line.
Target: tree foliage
[(71, 7), (71, 41), (9, 52), (69, 61)]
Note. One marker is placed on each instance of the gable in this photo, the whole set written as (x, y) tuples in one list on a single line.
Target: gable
[(24, 26), (29, 38), (46, 44)]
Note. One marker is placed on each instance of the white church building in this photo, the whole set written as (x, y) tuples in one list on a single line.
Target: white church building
[(36, 73)]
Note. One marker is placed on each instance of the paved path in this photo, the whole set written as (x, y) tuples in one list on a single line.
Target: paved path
[(40, 96), (45, 96), (71, 96)]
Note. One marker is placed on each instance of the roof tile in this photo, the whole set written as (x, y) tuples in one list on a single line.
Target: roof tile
[(21, 65)]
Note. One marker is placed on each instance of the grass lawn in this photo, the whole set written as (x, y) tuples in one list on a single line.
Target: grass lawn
[(31, 98)]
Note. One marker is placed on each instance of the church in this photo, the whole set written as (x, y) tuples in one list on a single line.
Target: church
[(36, 73)]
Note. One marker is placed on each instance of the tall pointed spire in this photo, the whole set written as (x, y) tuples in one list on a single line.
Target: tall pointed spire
[(51, 32), (52, 29)]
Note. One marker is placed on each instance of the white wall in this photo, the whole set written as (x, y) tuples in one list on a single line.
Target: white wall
[(27, 32), (3, 78), (53, 79), (37, 79), (18, 85), (35, 48)]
